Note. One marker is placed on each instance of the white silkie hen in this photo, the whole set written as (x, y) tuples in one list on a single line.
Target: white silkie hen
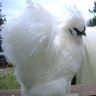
[(46, 55)]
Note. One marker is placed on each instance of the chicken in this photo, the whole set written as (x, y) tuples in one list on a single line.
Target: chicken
[(45, 55)]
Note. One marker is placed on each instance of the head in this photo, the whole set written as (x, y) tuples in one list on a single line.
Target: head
[(76, 26), (75, 22)]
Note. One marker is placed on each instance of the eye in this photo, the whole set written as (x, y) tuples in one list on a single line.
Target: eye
[(76, 29)]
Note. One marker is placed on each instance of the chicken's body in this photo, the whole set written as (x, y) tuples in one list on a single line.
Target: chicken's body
[(87, 72), (45, 55)]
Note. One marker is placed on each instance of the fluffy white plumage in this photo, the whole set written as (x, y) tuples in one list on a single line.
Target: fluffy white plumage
[(87, 72), (46, 55)]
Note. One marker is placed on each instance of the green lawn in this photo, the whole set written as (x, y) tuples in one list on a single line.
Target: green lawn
[(8, 81)]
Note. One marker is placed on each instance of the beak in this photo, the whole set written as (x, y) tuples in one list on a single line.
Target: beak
[(80, 33), (83, 33)]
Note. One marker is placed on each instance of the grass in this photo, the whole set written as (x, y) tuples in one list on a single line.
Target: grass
[(8, 81)]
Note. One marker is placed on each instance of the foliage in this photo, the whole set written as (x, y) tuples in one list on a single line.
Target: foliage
[(92, 21), (94, 9), (2, 20), (9, 80)]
